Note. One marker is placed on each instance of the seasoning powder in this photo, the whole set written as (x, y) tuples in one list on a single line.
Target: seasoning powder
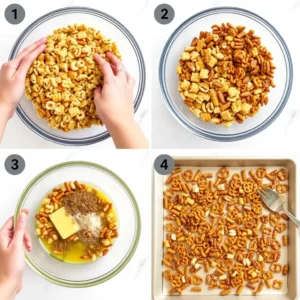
[(85, 208)]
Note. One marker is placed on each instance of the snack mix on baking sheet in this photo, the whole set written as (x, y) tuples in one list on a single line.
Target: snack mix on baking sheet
[(225, 75), (86, 228), (61, 81), (220, 226)]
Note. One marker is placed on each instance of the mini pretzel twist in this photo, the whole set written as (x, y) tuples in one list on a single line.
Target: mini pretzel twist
[(277, 284), (223, 173), (281, 188), (261, 173), (248, 186), (188, 175), (282, 175), (276, 268)]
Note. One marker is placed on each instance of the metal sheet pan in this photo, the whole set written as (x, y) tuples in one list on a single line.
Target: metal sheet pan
[(158, 290)]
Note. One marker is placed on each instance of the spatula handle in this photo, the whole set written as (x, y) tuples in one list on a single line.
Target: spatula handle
[(297, 222)]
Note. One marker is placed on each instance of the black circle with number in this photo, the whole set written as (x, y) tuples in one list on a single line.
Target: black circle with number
[(164, 164), (14, 14), (14, 164), (164, 14)]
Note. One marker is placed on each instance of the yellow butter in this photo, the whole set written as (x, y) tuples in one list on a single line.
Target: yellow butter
[(64, 223)]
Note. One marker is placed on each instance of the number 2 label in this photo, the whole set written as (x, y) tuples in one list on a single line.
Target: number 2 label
[(164, 14)]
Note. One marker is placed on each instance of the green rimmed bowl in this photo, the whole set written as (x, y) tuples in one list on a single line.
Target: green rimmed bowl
[(83, 275)]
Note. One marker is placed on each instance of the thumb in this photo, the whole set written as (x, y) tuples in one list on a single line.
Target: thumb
[(20, 229)]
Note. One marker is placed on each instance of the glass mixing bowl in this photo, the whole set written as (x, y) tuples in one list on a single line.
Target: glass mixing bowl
[(183, 36), (110, 27), (83, 275)]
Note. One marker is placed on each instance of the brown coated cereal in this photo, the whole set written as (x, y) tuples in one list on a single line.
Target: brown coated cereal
[(225, 75)]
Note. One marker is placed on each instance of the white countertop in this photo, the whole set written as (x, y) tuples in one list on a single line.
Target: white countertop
[(17, 134), (135, 279), (168, 133)]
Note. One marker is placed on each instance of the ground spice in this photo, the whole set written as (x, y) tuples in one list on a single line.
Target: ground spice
[(86, 237), (81, 202), (62, 245), (83, 205), (91, 222)]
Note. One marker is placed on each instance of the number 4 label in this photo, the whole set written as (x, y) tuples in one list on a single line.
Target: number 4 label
[(164, 164)]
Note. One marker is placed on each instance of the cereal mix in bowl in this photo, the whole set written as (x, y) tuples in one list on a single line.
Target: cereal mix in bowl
[(62, 80), (225, 75)]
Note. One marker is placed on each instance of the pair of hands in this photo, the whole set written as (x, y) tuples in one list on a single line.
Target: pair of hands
[(12, 263), (114, 102)]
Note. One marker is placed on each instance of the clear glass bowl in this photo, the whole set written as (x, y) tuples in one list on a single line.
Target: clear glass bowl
[(183, 36), (83, 275), (110, 27)]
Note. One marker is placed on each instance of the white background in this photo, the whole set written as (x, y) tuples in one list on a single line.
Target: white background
[(133, 167), (168, 133), (130, 13)]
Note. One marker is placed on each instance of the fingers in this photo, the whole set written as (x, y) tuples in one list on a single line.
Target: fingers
[(6, 232), (114, 68), (105, 67), (27, 241), (28, 60), (19, 232), (117, 64), (17, 60)]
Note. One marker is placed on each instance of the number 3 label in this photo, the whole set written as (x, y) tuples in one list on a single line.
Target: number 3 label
[(14, 164), (164, 14)]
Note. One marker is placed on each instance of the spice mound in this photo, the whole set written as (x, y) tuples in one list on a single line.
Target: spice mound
[(82, 202), (77, 223), (225, 75)]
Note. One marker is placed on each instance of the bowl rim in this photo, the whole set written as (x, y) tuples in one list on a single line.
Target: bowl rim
[(220, 137), (134, 243), (141, 63)]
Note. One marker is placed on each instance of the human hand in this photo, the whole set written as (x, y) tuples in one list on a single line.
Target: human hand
[(114, 102), (12, 255), (12, 77)]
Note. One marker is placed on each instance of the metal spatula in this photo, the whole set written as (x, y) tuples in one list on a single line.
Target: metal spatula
[(274, 202)]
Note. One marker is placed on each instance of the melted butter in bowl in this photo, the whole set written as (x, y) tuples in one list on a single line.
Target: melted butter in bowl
[(76, 223)]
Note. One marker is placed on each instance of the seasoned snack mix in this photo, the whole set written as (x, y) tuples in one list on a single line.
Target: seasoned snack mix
[(225, 75), (217, 225)]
